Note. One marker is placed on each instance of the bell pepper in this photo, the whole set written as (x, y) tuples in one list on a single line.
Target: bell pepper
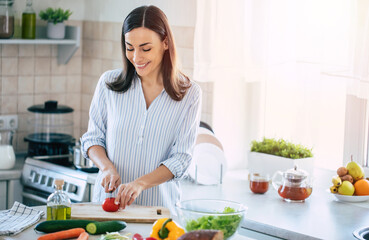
[(166, 229)]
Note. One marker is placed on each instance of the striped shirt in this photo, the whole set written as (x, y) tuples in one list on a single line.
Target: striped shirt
[(138, 140)]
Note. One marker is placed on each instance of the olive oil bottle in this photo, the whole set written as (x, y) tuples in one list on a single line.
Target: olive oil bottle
[(29, 22), (58, 203)]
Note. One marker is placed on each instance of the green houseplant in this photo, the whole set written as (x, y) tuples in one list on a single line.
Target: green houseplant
[(55, 21), (281, 148), (271, 155)]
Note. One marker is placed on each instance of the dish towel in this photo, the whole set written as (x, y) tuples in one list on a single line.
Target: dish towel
[(18, 218)]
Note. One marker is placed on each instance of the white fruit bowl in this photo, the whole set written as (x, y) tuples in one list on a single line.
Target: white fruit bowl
[(345, 198)]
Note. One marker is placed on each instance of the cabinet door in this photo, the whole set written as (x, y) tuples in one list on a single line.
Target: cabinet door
[(3, 193), (15, 189)]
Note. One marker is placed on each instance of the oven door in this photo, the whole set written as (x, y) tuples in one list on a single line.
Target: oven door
[(33, 197)]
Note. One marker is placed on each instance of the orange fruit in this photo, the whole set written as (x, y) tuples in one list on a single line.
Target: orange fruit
[(361, 187)]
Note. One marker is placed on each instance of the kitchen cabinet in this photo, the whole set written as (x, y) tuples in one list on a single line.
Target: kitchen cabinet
[(10, 191), (66, 47)]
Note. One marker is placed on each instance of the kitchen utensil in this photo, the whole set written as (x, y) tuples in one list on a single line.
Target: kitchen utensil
[(259, 183), (292, 185), (214, 214), (132, 214), (82, 163), (50, 129), (7, 155)]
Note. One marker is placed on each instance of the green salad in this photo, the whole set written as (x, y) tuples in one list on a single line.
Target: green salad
[(227, 224)]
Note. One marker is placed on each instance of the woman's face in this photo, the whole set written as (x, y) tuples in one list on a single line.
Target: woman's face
[(145, 51)]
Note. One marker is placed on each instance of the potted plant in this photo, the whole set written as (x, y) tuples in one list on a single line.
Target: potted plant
[(270, 155), (55, 21)]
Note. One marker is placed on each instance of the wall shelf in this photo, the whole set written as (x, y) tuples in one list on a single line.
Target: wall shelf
[(66, 47)]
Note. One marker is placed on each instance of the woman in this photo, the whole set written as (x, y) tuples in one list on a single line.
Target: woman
[(143, 118)]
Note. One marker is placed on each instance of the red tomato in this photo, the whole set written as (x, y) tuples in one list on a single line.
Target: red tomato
[(109, 205), (137, 237), (150, 238)]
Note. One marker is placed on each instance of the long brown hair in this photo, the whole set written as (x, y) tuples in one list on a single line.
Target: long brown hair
[(174, 81)]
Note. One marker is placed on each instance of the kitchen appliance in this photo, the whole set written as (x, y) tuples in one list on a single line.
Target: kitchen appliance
[(82, 163), (208, 164), (132, 214), (38, 180), (50, 132), (293, 185), (7, 155)]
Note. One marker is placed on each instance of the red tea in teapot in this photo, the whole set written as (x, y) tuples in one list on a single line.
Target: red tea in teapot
[(294, 193)]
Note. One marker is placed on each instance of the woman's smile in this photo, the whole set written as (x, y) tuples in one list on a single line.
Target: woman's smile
[(142, 65)]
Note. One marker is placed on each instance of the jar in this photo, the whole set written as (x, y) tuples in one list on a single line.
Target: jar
[(7, 155), (6, 19)]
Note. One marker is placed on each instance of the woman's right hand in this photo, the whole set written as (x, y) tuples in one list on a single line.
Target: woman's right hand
[(110, 180)]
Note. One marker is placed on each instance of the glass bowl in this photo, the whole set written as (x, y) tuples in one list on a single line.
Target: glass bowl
[(197, 214)]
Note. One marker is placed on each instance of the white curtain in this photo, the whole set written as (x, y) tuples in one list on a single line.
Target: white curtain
[(282, 68)]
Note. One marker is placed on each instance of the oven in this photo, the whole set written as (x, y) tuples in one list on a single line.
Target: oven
[(38, 182)]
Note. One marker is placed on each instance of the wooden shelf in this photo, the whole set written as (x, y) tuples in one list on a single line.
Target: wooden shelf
[(66, 47)]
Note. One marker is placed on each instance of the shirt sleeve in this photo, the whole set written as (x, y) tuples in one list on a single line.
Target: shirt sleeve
[(180, 155), (96, 131)]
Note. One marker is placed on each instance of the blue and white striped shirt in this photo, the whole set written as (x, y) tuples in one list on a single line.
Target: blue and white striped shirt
[(138, 140)]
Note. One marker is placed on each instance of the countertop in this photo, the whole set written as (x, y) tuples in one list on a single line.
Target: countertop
[(15, 172), (319, 217), (142, 228)]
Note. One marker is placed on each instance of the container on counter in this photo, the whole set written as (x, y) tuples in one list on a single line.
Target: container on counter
[(29, 22), (6, 19), (7, 156), (58, 203)]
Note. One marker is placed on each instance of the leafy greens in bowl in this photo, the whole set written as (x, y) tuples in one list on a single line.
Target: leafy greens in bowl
[(213, 214)]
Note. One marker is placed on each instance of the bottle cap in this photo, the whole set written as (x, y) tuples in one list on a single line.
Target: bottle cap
[(59, 182)]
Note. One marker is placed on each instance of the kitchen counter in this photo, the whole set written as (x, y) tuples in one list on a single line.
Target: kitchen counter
[(319, 217), (269, 217), (15, 172), (142, 228)]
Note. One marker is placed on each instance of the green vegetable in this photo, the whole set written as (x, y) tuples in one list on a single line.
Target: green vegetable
[(281, 148), (114, 236), (60, 225), (56, 15), (104, 227), (227, 224)]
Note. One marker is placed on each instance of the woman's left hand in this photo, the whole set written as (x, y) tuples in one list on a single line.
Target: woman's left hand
[(127, 193)]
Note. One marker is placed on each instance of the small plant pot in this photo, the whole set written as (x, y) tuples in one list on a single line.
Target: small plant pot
[(55, 31), (269, 164)]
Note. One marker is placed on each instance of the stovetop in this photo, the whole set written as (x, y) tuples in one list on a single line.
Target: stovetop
[(41, 175)]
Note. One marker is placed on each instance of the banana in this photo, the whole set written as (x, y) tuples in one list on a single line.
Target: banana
[(336, 181), (334, 189)]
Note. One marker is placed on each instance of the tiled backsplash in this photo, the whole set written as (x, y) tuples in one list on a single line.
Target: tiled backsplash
[(30, 74)]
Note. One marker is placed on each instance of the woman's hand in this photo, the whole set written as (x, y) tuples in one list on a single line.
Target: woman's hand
[(110, 180), (127, 193)]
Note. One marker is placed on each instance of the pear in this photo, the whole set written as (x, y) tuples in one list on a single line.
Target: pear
[(346, 188), (355, 170)]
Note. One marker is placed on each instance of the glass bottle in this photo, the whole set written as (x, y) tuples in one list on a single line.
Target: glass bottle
[(6, 19), (58, 203), (29, 22)]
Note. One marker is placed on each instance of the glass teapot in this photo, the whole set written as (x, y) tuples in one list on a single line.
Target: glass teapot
[(7, 155), (293, 185)]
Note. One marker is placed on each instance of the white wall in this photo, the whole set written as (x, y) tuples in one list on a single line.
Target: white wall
[(179, 12)]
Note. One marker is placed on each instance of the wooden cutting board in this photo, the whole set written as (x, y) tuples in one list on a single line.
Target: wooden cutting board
[(132, 214)]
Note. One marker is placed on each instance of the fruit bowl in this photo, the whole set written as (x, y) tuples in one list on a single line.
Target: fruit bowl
[(197, 214), (345, 198)]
